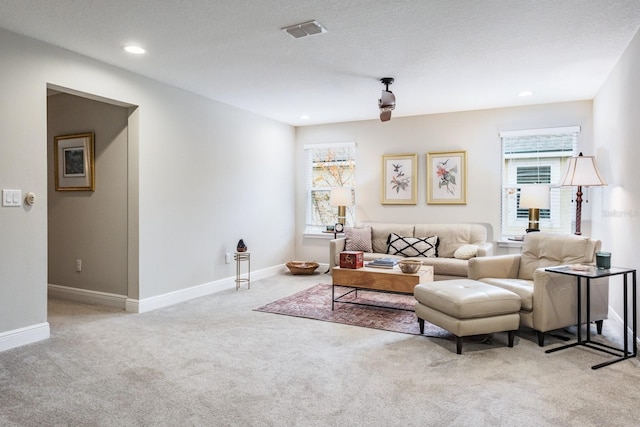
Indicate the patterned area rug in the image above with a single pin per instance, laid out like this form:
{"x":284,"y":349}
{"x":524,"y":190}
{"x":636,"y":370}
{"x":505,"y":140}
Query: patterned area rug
{"x":315,"y":303}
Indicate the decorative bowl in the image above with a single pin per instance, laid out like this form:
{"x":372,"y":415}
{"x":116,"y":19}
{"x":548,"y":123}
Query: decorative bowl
{"x":409,"y":266}
{"x":302,"y":267}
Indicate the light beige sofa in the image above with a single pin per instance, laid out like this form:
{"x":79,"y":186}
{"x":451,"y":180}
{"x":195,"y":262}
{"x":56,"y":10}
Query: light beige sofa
{"x":549,"y":300}
{"x":451,"y":237}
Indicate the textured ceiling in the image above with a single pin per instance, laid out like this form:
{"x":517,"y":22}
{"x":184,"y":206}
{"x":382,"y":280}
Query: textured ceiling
{"x":444,"y":55}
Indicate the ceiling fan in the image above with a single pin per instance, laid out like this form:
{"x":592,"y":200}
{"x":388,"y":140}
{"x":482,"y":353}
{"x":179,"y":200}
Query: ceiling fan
{"x":387,"y":101}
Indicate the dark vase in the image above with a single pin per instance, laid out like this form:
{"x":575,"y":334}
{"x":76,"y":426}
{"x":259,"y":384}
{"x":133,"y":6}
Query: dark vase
{"x":241,"y":246}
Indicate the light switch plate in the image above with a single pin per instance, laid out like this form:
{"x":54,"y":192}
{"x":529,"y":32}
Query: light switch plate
{"x":12,"y":198}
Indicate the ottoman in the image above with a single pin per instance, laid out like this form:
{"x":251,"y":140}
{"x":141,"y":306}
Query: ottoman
{"x":466,"y":307}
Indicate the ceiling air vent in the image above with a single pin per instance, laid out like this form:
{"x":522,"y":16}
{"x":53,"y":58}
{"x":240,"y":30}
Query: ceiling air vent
{"x":305,"y":29}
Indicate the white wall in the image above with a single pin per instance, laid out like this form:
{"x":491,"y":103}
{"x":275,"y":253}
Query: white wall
{"x":23,"y":165}
{"x":209,"y":174}
{"x":474,"y":131}
{"x":616,"y":209}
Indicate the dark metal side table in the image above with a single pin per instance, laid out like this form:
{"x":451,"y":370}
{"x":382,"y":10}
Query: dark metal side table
{"x":588,"y":275}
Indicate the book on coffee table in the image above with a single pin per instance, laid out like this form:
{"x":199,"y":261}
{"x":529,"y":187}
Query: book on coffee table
{"x":383,"y":263}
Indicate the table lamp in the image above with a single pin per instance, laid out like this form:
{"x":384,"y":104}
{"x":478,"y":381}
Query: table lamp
{"x":534,"y":198}
{"x":341,"y":197}
{"x":582,"y":171}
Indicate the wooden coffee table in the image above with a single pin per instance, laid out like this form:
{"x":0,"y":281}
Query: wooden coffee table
{"x":377,"y":279}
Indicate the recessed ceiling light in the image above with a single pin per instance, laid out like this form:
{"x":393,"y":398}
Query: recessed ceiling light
{"x":525,"y":93}
{"x":136,"y":50}
{"x":305,"y":117}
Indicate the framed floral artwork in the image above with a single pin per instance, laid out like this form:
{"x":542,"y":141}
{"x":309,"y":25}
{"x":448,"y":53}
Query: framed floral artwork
{"x":447,"y":178}
{"x":399,"y":185}
{"x":74,"y":162}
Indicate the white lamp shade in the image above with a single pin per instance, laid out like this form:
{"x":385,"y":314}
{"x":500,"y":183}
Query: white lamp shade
{"x":534,"y":196}
{"x":582,"y":171}
{"x":340,"y":196}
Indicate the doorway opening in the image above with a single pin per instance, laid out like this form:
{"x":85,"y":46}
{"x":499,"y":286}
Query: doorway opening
{"x":93,"y":235}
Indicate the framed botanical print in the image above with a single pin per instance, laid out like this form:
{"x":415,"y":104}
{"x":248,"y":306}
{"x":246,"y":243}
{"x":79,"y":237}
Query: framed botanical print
{"x":447,"y":178}
{"x":74,"y":162}
{"x":399,"y":186}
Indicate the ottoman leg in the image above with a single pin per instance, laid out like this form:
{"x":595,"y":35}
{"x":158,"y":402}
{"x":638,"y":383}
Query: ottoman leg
{"x":512,"y":335}
{"x":459,"y":345}
{"x":421,"y":324}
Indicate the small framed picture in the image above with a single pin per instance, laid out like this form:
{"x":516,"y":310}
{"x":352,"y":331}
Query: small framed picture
{"x":447,"y":178}
{"x":399,"y":186}
{"x":74,"y":162}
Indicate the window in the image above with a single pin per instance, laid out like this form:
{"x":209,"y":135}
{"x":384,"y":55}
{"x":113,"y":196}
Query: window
{"x":537,"y":156}
{"x":328,"y":166}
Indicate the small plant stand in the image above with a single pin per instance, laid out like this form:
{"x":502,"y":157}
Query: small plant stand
{"x":240,"y":257}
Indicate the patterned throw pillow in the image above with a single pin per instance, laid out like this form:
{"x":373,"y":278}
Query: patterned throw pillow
{"x":358,"y":239}
{"x":412,"y":246}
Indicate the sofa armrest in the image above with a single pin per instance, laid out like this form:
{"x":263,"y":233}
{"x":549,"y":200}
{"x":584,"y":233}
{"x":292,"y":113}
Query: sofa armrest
{"x":499,"y":267}
{"x":485,"y":249}
{"x":335,"y":247}
{"x":555,"y":300}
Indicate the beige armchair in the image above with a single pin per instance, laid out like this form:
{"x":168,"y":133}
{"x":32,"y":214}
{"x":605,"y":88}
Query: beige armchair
{"x":549,"y":300}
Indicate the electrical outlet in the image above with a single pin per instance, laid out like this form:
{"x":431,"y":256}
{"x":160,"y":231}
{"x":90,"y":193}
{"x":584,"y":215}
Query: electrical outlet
{"x":227,"y":258}
{"x":78,"y":265}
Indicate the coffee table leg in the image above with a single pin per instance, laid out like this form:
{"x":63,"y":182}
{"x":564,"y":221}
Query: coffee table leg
{"x":333,"y":290}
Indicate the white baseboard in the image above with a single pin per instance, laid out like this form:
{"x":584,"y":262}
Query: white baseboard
{"x":620,"y":322}
{"x":24,"y":336}
{"x":182,"y":295}
{"x":159,"y":301}
{"x":176,"y":297}
{"x":87,"y":297}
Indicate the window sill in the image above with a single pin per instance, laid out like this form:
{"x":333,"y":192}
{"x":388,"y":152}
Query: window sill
{"x":506,"y":243}
{"x":320,"y":235}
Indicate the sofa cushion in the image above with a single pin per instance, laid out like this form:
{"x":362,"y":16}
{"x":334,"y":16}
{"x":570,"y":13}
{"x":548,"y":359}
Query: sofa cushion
{"x":452,"y":236}
{"x":524,"y":288}
{"x":446,"y":266}
{"x":380,"y":233}
{"x":358,"y":239}
{"x":412,"y":246}
{"x":541,"y":250}
{"x":466,"y":252}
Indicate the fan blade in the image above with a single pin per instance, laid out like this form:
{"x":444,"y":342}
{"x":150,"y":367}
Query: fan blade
{"x":387,"y":99}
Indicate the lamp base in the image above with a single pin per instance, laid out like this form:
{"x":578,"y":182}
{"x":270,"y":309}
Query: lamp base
{"x":534,"y":220}
{"x":342,"y":214}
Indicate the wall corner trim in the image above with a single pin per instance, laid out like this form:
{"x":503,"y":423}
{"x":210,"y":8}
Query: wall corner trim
{"x":23,"y":336}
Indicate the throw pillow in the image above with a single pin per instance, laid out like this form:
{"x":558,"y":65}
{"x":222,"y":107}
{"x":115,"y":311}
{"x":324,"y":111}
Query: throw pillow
{"x":412,"y":246}
{"x":358,"y":239}
{"x":466,"y":252}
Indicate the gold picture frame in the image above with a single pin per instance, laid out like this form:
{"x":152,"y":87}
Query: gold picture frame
{"x":447,"y":178}
{"x":399,"y":183}
{"x":74,"y":162}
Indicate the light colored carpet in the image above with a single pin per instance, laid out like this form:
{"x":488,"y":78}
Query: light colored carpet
{"x":215,"y":361}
